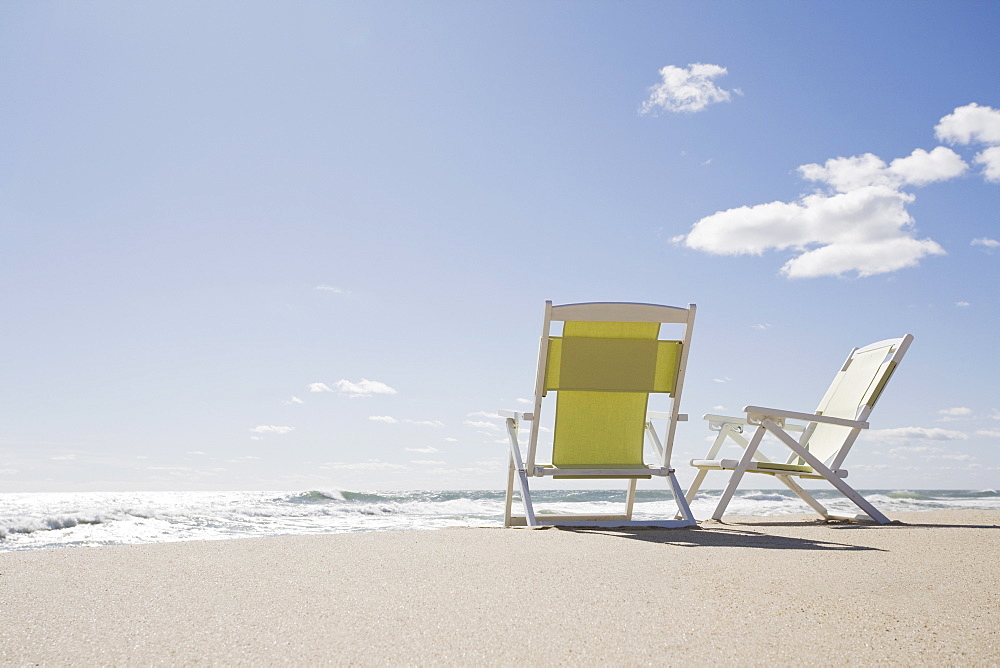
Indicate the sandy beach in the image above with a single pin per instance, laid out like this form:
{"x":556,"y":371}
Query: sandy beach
{"x":747,"y":591}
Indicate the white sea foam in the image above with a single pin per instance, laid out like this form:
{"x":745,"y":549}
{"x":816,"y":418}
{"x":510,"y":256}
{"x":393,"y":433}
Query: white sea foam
{"x":29,"y":521}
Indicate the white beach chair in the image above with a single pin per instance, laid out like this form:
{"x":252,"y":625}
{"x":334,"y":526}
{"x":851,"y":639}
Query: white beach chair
{"x":825,"y":437}
{"x":607,"y":361}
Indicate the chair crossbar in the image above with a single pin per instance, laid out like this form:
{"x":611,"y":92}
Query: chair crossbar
{"x":763,"y":467}
{"x":596,"y":521}
{"x":541,"y":471}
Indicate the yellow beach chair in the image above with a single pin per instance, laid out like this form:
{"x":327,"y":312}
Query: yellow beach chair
{"x":607,"y":361}
{"x":825,"y":437}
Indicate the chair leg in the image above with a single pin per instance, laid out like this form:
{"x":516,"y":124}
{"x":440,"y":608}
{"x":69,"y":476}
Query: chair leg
{"x":510,"y":492}
{"x":692,"y":490}
{"x":696,"y":485}
{"x":741,"y":468}
{"x":529,"y":509}
{"x":858,"y":500}
{"x":682,"y":504}
{"x":517,"y":469}
{"x":630,"y":499}
{"x":821,"y":468}
{"x":727,"y":431}
{"x":804,"y":495}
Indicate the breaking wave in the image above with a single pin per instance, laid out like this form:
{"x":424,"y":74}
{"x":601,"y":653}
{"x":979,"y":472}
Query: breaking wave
{"x":31,"y":521}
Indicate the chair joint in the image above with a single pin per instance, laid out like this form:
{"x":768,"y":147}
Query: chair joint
{"x":757,"y":419}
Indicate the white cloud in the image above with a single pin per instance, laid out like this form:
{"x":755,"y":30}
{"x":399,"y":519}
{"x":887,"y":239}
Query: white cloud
{"x":922,"y":167}
{"x":952,"y":414}
{"x":271,"y":429}
{"x":688,"y":89}
{"x":427,"y":462}
{"x":858,"y":223}
{"x":974,"y":124}
{"x":388,"y":419}
{"x":762,"y":326}
{"x":426,"y":423}
{"x":522,"y":400}
{"x":363,"y":388}
{"x":294,"y":400}
{"x":970,"y":124}
{"x":986,"y":242}
{"x":451,"y":440}
{"x":484,"y":414}
{"x":847,"y":174}
{"x":915,"y":434}
{"x":481,"y":424}
{"x":427,"y":451}
{"x":992,"y":433}
{"x":864,"y":227}
{"x":62,"y":458}
{"x":370,"y":465}
{"x":330,"y":288}
{"x":866,"y":230}
{"x":724,"y":379}
{"x":990,"y":160}
{"x":919,"y":168}
{"x":928,"y":453}
{"x":962,"y":304}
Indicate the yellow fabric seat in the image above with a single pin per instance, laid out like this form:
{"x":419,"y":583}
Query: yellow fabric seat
{"x":602,"y":367}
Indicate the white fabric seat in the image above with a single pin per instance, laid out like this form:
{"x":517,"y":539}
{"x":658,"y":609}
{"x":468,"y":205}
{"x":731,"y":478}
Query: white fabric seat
{"x":825,"y":437}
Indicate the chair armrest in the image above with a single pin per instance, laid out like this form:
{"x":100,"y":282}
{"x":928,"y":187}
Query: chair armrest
{"x":757,"y":413}
{"x":717,"y":422}
{"x":663,"y":415}
{"x":516,"y":415}
{"x":720,"y":422}
{"x":724,"y":419}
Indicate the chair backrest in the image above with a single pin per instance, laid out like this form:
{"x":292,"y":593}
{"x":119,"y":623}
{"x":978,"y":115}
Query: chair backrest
{"x":603,"y":367}
{"x":852,"y":395}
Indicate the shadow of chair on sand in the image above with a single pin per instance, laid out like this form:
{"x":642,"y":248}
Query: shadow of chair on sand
{"x":720,"y":535}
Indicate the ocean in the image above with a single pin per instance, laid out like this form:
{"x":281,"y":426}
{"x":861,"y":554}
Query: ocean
{"x":77,"y":519}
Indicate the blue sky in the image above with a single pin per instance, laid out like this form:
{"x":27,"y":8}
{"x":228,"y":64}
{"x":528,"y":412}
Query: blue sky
{"x":306,"y":245}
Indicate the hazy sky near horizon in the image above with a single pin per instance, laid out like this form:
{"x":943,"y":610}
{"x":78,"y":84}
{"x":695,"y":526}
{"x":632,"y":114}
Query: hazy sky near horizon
{"x":306,"y":245}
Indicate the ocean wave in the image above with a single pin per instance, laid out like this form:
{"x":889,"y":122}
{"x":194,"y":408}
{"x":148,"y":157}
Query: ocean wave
{"x":51,"y":523}
{"x":907,"y":494}
{"x":766,"y":496}
{"x":369,"y":497}
{"x":316,"y":496}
